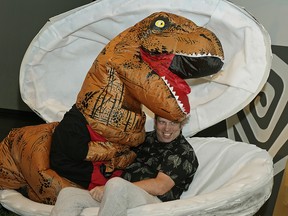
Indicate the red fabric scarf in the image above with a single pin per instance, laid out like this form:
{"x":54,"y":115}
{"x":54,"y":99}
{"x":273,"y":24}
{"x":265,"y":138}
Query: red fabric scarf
{"x":97,"y":178}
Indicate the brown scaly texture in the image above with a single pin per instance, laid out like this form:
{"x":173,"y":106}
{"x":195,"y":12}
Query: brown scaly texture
{"x":117,"y":85}
{"x":119,"y":81}
{"x":24,"y":162}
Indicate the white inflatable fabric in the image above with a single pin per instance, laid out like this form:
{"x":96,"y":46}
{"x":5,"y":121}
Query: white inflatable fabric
{"x":59,"y":57}
{"x":234,"y":178}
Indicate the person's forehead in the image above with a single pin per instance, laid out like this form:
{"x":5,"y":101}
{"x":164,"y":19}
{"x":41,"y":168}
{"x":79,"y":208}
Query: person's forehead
{"x":163,"y":119}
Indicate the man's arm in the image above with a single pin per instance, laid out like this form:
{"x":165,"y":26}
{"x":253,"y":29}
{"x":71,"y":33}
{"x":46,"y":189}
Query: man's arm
{"x":156,"y":186}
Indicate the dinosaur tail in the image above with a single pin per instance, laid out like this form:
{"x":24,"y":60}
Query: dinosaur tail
{"x":10,"y":176}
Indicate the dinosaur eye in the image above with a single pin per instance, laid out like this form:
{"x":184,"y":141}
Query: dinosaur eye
{"x":160,"y":23}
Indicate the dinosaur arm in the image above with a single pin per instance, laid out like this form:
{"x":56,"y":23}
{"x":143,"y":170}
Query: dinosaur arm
{"x":101,"y":151}
{"x":121,"y":161}
{"x":115,"y":156}
{"x":106,"y":151}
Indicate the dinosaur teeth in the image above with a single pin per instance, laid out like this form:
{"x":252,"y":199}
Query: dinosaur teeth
{"x":171,"y":88}
{"x":182,"y":107}
{"x":197,"y":55}
{"x":174,"y":93}
{"x":164,"y":79}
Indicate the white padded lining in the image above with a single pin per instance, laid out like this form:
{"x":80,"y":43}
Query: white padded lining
{"x":59,"y":57}
{"x":233,"y":178}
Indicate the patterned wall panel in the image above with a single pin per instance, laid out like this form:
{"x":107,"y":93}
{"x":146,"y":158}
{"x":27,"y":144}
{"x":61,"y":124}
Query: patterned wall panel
{"x":264,"y":121}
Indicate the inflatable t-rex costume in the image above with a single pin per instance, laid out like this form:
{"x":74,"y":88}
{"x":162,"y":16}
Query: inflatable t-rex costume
{"x":144,"y":65}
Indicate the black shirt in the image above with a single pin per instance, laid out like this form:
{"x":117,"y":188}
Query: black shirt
{"x":176,"y":159}
{"x":69,"y":148}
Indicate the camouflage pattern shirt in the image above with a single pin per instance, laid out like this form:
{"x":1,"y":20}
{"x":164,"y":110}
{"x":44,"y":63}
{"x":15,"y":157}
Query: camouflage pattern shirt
{"x":176,"y":159}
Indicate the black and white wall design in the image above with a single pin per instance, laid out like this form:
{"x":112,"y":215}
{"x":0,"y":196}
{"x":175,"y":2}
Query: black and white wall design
{"x":264,"y":121}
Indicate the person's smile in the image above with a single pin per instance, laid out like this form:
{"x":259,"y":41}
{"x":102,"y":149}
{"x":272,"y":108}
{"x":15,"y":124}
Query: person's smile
{"x":167,"y":130}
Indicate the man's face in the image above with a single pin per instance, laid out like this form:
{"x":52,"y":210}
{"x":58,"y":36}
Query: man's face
{"x":167,"y":130}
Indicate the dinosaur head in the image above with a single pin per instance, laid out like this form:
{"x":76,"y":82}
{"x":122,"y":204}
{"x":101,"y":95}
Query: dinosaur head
{"x":194,"y":51}
{"x":174,"y":49}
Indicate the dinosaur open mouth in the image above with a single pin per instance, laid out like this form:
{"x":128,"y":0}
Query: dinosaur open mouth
{"x":195,"y":66}
{"x":160,"y":63}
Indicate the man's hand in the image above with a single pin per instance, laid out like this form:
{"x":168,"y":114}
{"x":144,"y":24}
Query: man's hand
{"x":97,"y":193}
{"x":156,"y":186}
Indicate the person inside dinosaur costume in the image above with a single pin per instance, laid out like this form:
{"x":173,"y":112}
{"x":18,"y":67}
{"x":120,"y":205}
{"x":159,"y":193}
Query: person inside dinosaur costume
{"x":147,"y":64}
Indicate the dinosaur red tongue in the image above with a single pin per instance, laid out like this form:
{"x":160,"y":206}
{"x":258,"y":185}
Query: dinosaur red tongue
{"x":160,"y":64}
